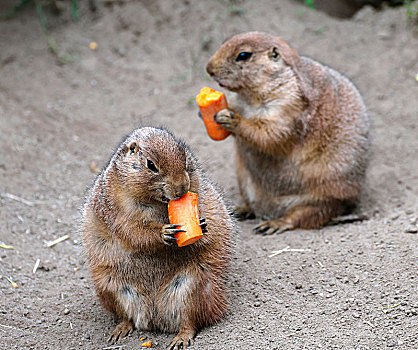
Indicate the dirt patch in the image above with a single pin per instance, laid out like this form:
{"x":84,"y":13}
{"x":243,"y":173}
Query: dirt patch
{"x":355,"y":286}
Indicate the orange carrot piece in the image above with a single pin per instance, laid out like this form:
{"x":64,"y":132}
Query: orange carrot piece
{"x":147,"y":344}
{"x":185,"y":212}
{"x":211,"y":102}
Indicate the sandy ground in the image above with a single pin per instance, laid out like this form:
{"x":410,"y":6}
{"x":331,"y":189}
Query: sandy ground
{"x":355,"y":286}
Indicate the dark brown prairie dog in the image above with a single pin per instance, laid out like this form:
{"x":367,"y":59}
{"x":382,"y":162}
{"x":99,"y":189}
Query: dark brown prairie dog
{"x":301,"y":132}
{"x":140,"y":274}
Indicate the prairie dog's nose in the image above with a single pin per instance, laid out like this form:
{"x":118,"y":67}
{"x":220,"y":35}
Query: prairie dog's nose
{"x":181,"y":191}
{"x":210,"y":68}
{"x":178,"y":187}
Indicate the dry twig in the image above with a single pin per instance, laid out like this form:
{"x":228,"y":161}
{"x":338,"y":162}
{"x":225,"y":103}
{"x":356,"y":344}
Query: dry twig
{"x":56,"y":241}
{"x":18,"y":199}
{"x":38,"y":261}
{"x":287,"y":249}
{"x":5,"y":246}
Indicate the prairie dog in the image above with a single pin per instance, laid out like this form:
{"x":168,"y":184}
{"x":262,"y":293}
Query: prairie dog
{"x":139,"y":272}
{"x":301,"y":133}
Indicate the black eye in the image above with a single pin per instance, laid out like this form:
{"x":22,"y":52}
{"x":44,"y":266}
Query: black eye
{"x":151,"y":166}
{"x":243,"y":56}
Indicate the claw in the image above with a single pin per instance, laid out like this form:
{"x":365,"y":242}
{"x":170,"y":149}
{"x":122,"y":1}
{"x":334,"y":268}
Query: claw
{"x":169,"y":238}
{"x":172,"y":226}
{"x":203,"y":224}
{"x":269,"y":232}
{"x":261,"y":229}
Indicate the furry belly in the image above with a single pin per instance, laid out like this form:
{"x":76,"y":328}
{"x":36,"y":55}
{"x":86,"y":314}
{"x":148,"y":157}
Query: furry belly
{"x":270,"y":185}
{"x":162,"y":310}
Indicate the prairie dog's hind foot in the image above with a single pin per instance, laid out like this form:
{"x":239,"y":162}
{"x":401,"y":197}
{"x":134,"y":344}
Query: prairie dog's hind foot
{"x":311,"y":216}
{"x":243,"y":213}
{"x":270,"y":227}
{"x":182,"y":340}
{"x":122,"y":330}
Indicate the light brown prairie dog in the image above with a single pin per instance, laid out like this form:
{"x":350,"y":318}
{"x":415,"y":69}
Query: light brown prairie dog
{"x":301,"y":132}
{"x":140,"y":274}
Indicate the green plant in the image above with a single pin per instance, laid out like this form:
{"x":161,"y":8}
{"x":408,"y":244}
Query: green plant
{"x":310,"y":4}
{"x":411,"y":7}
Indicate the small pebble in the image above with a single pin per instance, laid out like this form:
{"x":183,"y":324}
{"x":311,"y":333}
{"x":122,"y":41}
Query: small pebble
{"x":257,"y":304}
{"x":384,"y":36}
{"x":87,"y":336}
{"x":411,"y":229}
{"x":66,"y":311}
{"x":392,"y":343}
{"x":395,"y":216}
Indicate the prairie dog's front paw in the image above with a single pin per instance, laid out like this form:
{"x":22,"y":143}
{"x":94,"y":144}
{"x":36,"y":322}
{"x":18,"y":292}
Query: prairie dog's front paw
{"x":227,"y":119}
{"x":167,"y":233}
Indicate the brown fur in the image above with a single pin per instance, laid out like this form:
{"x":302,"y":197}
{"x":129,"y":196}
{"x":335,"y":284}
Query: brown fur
{"x":146,"y":283}
{"x":301,"y":132}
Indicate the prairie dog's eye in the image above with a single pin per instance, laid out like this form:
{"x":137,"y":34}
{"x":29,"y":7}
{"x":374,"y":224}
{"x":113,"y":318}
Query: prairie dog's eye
{"x":275,"y":54}
{"x":151,"y":166}
{"x":243,"y":56}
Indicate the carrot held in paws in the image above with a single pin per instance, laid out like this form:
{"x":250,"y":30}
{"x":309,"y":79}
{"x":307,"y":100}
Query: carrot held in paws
{"x":185,"y":212}
{"x":211,"y":102}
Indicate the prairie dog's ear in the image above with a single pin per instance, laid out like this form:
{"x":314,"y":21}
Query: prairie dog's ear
{"x":131,"y":148}
{"x":304,"y":76}
{"x":274,"y":54}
